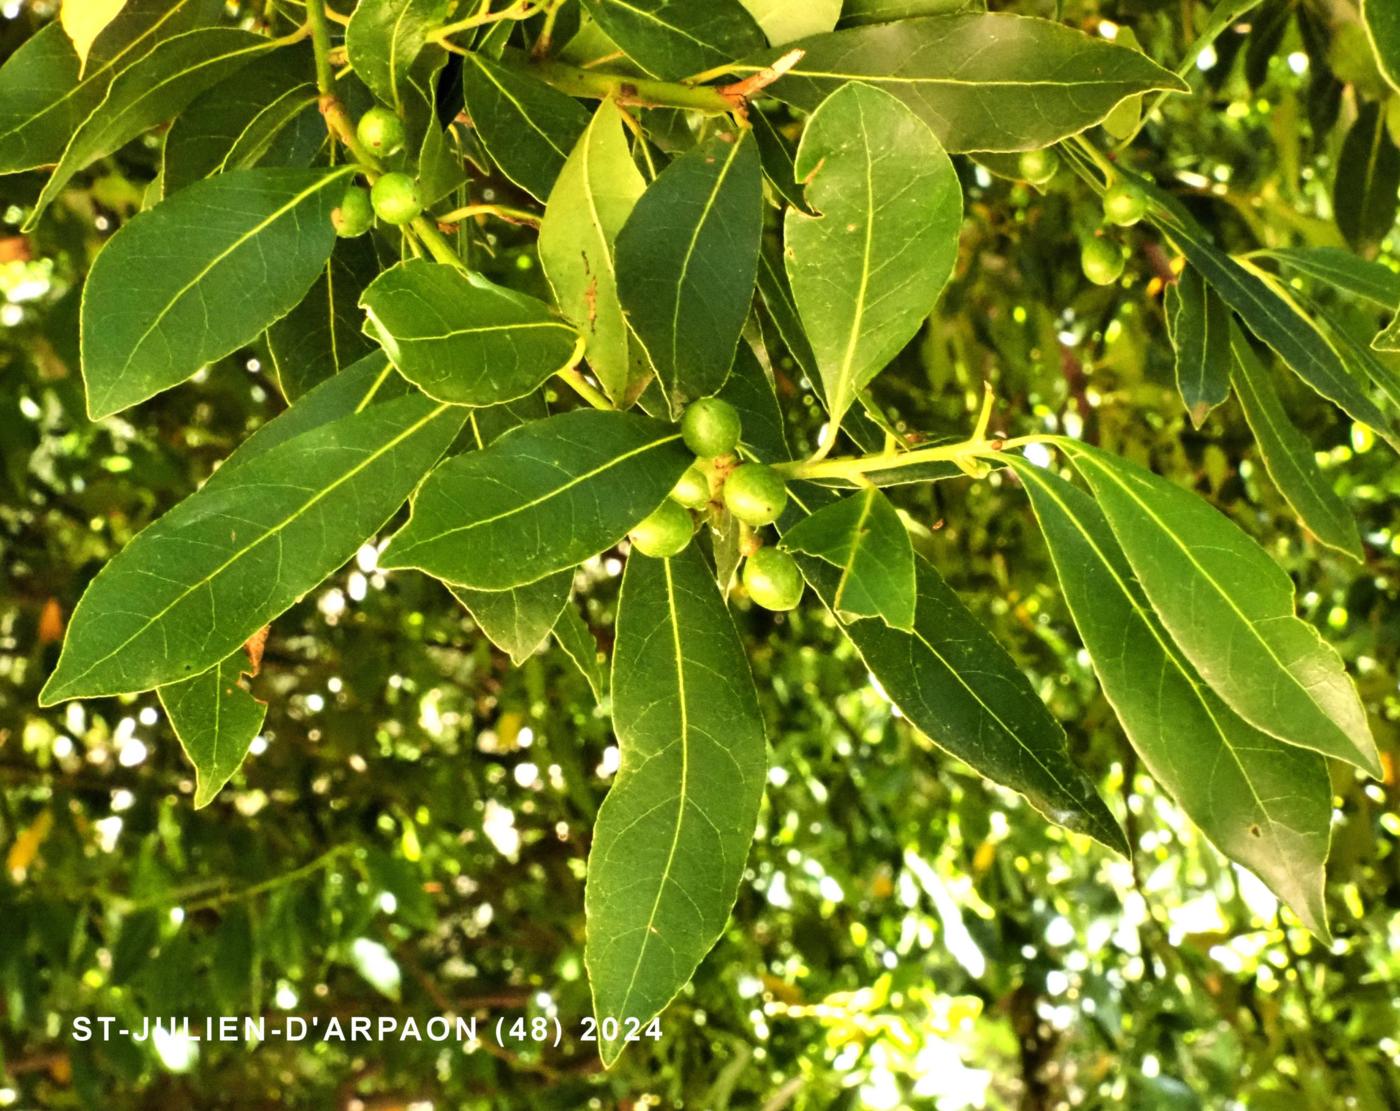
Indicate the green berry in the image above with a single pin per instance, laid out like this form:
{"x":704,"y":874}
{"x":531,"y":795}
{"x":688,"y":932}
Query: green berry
{"x":1124,"y":204}
{"x":772,"y":579}
{"x":354,"y":214}
{"x":396,"y":198}
{"x":710,"y":427}
{"x":755,"y":494}
{"x":380,"y":130}
{"x":1102,"y":260}
{"x":665,"y":533}
{"x":1038,"y":166}
{"x":693,"y":489}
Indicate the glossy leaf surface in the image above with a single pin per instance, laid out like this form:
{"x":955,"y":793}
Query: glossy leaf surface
{"x":1288,"y":455}
{"x":994,"y":82}
{"x":219,"y":566}
{"x":199,"y":275}
{"x":957,"y":685}
{"x":864,"y":539}
{"x":519,"y":620}
{"x":672,"y":39}
{"x":687,"y":260}
{"x":543,"y":497}
{"x":595,"y":193}
{"x":1230,"y":609}
{"x":216,"y":720}
{"x":867,"y":269}
{"x":460,"y":338}
{"x":1199,"y":322}
{"x":43,"y":96}
{"x":150,"y":91}
{"x":1265,"y":804}
{"x":528,"y":127}
{"x":672,"y":836}
{"x":384,"y":39}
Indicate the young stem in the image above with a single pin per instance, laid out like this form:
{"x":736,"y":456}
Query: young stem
{"x":321,"y":44}
{"x":853,"y":467}
{"x":626,"y":89}
{"x":511,"y":215}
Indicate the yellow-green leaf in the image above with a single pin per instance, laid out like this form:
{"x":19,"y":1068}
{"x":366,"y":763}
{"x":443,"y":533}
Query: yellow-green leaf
{"x":84,"y":20}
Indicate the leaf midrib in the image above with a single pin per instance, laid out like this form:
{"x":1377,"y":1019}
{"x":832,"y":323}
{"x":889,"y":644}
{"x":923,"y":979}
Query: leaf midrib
{"x":301,"y":511}
{"x":535,"y":503}
{"x":1168,"y":650}
{"x":242,"y":240}
{"x":1216,"y":587}
{"x":683,"y":790}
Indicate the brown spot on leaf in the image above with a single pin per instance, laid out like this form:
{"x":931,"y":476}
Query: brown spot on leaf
{"x":254,"y":647}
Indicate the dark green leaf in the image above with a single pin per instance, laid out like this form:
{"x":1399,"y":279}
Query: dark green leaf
{"x":1288,"y":455}
{"x":590,"y":203}
{"x":150,"y":91}
{"x":519,"y":620}
{"x":854,"y":13}
{"x":244,"y":120}
{"x":1229,"y":607}
{"x":1367,"y":187}
{"x":324,"y":333}
{"x":1382,"y":19}
{"x":461,"y":339}
{"x":956,"y":685}
{"x":573,"y":635}
{"x":215,"y":720}
{"x":527,"y":127}
{"x":1199,"y":323}
{"x":981,"y":81}
{"x":867,"y":269}
{"x":672,"y":836}
{"x":672,"y":39}
{"x":1373,"y":281}
{"x":44,"y":98}
{"x":257,"y":536}
{"x":198,"y":276}
{"x":545,"y":496}
{"x":384,"y":39}
{"x":776,"y":157}
{"x":1269,"y":316}
{"x":1265,"y":804}
{"x":864,"y":539}
{"x":686,"y":263}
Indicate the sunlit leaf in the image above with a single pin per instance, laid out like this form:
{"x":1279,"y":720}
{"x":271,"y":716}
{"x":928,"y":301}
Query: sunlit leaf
{"x":868,"y":267}
{"x":672,"y":836}
{"x":1230,"y":609}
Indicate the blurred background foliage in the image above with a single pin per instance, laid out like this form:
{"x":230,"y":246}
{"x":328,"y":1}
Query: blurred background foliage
{"x":409,"y":835}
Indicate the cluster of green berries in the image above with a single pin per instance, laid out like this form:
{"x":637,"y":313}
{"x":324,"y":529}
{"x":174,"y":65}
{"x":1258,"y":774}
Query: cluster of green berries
{"x":394,"y":198}
{"x":1124,"y":204}
{"x":755,"y":494}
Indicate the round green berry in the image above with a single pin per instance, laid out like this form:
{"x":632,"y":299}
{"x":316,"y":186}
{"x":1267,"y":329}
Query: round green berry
{"x":772,"y":579}
{"x":1124,"y":204}
{"x":396,"y":198}
{"x":1102,"y":260}
{"x":1038,"y":166}
{"x":710,"y":427}
{"x":354,"y":214}
{"x":665,"y":533}
{"x":755,"y":494}
{"x":380,"y":130}
{"x":693,"y":489}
